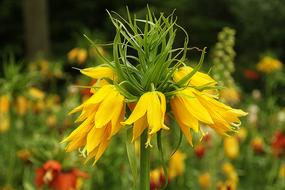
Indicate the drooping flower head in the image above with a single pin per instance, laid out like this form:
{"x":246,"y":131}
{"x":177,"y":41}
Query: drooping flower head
{"x":148,"y":73}
{"x":100,"y":115}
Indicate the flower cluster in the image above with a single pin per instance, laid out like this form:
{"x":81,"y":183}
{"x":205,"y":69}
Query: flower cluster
{"x":223,"y":56}
{"x":141,"y":88}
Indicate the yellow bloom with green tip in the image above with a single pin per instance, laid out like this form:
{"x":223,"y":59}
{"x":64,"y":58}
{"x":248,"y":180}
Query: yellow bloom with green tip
{"x":148,"y":113}
{"x":145,"y":72}
{"x":191,"y":107}
{"x":99,"y":72}
{"x":100,"y":115}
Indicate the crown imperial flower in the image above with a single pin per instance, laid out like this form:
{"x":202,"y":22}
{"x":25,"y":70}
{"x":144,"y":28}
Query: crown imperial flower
{"x":154,"y":80}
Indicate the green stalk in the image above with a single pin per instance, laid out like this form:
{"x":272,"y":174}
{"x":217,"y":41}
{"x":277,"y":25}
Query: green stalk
{"x":144,"y":163}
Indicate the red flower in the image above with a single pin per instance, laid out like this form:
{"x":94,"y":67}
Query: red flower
{"x":47,"y":172}
{"x":200,"y":150}
{"x":67,"y":180}
{"x":52,"y":176}
{"x":250,"y":74}
{"x":278,"y":144}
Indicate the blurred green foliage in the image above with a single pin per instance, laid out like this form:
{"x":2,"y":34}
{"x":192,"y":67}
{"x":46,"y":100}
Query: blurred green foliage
{"x":259,"y":23}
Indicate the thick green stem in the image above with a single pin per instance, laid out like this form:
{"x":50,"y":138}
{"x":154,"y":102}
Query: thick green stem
{"x":144,"y":163}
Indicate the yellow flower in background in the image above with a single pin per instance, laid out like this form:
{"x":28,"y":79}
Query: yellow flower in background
{"x":36,"y":93}
{"x":4,"y":104}
{"x":230,"y":172}
{"x":268,"y":65}
{"x":4,"y":113}
{"x":4,"y":122}
{"x":177,"y":164}
{"x":149,"y":113}
{"x":227,"y":185}
{"x":282,"y":171}
{"x":78,"y":55}
{"x":231,"y":147}
{"x":232,"y":179}
{"x":51,"y":121}
{"x":82,"y":55}
{"x":204,"y":180}
{"x":230,"y":95}
{"x":101,"y":116}
{"x":155,"y":175}
{"x":257,"y":144}
{"x":22,"y":104}
{"x":44,"y":67}
{"x":24,"y":154}
{"x":38,"y":106}
{"x":72,"y":54}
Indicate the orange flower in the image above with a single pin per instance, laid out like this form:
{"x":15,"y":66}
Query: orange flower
{"x":51,"y":175}
{"x":278,"y":144}
{"x":257,"y":145}
{"x":200,"y":150}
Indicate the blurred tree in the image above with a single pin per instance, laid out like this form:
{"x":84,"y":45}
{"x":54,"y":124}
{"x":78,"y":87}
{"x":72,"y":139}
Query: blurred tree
{"x":35,"y":13}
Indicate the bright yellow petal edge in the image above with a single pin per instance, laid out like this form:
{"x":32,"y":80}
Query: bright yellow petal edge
{"x":101,"y":116}
{"x":198,"y":79}
{"x":149,"y":112}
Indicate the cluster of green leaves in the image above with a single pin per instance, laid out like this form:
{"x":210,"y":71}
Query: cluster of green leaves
{"x":15,"y":78}
{"x":144,"y":58}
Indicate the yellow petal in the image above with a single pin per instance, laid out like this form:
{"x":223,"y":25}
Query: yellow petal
{"x":75,"y":144}
{"x":117,"y":110}
{"x":100,"y":95}
{"x":163,"y":109}
{"x":94,"y":138}
{"x":198,"y":79}
{"x":98,"y":72}
{"x":139,"y":111}
{"x":139,"y":126}
{"x":154,"y":115}
{"x":182,"y":115}
{"x":194,"y":106}
{"x":101,"y":150}
{"x":116,"y":125}
{"x":82,"y":130}
{"x":87,"y":112}
{"x":77,"y":109}
{"x":186,"y":132}
{"x":91,"y":155}
{"x":103,"y":145}
{"x":104,"y":113}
